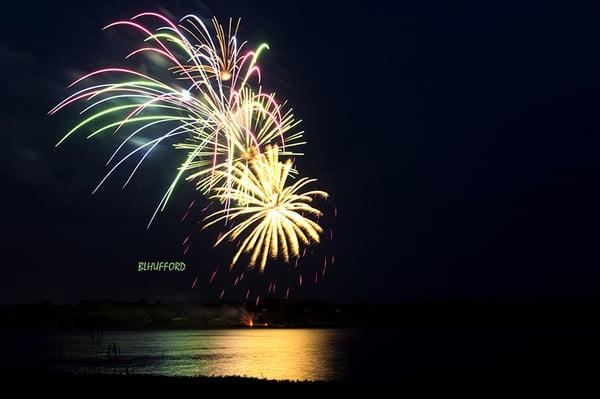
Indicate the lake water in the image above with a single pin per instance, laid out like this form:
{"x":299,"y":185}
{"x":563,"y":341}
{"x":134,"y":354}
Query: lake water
{"x":399,"y":354}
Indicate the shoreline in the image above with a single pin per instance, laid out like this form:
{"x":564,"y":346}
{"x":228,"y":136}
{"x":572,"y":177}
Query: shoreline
{"x":133,"y":378}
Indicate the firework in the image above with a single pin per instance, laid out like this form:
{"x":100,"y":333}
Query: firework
{"x":270,"y":217}
{"x":204,"y":102}
{"x":201,"y":92}
{"x":225,"y":54}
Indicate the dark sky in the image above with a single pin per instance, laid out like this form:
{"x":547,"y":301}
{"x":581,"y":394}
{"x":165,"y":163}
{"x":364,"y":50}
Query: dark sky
{"x":460,"y":145}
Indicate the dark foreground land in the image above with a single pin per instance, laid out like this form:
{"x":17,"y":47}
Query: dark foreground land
{"x":105,"y":382}
{"x":290,"y":313}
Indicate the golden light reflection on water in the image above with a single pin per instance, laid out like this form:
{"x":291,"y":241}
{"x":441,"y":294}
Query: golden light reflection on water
{"x":284,"y":354}
{"x":271,"y":353}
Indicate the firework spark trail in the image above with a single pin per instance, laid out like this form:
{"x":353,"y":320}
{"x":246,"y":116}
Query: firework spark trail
{"x":185,"y":216}
{"x":212,"y":277}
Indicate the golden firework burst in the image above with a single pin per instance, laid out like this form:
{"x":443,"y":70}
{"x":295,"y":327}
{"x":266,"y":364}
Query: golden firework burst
{"x":269,"y":217}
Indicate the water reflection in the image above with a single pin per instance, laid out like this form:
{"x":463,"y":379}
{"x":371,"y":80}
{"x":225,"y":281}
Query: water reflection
{"x":274,"y":354}
{"x":416,"y":354}
{"x":284,"y":354}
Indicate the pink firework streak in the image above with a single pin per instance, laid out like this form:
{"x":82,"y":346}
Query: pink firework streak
{"x":212,"y":277}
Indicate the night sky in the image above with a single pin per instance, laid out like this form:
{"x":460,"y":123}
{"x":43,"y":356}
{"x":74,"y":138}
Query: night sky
{"x":460,"y":145}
